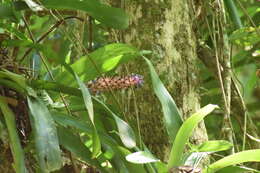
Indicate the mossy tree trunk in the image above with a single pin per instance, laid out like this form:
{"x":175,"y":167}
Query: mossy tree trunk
{"x":165,"y":28}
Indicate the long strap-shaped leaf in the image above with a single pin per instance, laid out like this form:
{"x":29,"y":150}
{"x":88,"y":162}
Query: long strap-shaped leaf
{"x":17,"y":151}
{"x":89,"y":106}
{"x":172,"y":117}
{"x":185,"y":132}
{"x":237,"y":158}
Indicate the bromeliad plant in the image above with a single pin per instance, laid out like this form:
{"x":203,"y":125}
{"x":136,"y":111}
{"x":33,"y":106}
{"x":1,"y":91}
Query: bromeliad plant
{"x":51,"y":130}
{"x":179,"y":133}
{"x":51,"y":119}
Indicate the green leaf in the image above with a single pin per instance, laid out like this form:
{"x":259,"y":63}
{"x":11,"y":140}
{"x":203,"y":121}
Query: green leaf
{"x":118,"y":161}
{"x":214,"y":146}
{"x":73,"y":144}
{"x":141,"y":157}
{"x":237,"y":158}
{"x":81,"y":126}
{"x":110,"y":16}
{"x":185,"y":132}
{"x":237,"y":169}
{"x":22,"y":43}
{"x":11,"y":29}
{"x":245,"y":36}
{"x":12,"y":85}
{"x":161,"y":167}
{"x":16,"y":148}
{"x":19,"y":79}
{"x":131,"y":166}
{"x":101,"y":60}
{"x":172,"y":117}
{"x":46,"y":139}
{"x":193,"y":158}
{"x":125,"y":132}
{"x":7,"y":12}
{"x":89,"y":106}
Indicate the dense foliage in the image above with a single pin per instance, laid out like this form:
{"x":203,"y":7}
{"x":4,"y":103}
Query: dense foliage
{"x":59,"y":110}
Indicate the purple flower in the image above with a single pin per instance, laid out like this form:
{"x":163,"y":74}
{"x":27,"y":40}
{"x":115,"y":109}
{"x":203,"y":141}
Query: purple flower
{"x":114,"y":83}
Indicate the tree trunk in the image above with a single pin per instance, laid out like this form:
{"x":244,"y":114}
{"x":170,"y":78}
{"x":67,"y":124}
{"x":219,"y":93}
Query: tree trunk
{"x":165,"y":28}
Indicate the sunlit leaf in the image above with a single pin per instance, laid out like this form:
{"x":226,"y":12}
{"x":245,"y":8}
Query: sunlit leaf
{"x":214,"y":146}
{"x":141,"y":157}
{"x":33,"y":6}
{"x":92,"y":66}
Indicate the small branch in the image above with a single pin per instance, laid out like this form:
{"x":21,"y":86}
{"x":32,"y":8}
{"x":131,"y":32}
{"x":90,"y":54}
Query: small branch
{"x":58,"y":23}
{"x":90,"y":33}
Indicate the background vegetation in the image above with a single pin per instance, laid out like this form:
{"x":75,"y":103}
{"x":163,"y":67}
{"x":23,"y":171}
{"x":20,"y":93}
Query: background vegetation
{"x":69,"y":92}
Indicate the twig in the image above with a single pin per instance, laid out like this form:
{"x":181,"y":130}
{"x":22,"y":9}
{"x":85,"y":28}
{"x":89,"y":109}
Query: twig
{"x":58,"y":23}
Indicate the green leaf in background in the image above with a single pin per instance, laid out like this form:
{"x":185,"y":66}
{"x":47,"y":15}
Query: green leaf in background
{"x":185,"y":132}
{"x":22,"y":43}
{"x":245,"y":36}
{"x":214,"y":146}
{"x":89,"y":106}
{"x":172,"y":117}
{"x":7,"y":12}
{"x":104,"y":59}
{"x":141,"y":157}
{"x":237,"y":158}
{"x":125,"y":132}
{"x":110,"y":16}
{"x":46,"y":139}
{"x":11,"y":29}
{"x":16,"y":148}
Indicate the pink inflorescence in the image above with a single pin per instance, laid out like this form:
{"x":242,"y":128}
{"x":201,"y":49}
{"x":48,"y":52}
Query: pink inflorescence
{"x":114,"y":83}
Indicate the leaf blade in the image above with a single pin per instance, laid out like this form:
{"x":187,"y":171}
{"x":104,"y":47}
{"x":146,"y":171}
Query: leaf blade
{"x":141,"y":157}
{"x":89,"y":106}
{"x":111,"y":17}
{"x":172,"y":116}
{"x":240,"y":157}
{"x":17,"y":151}
{"x":184,"y":133}
{"x":46,"y":139}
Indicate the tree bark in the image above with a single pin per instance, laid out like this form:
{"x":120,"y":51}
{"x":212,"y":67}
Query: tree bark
{"x":165,"y":28}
